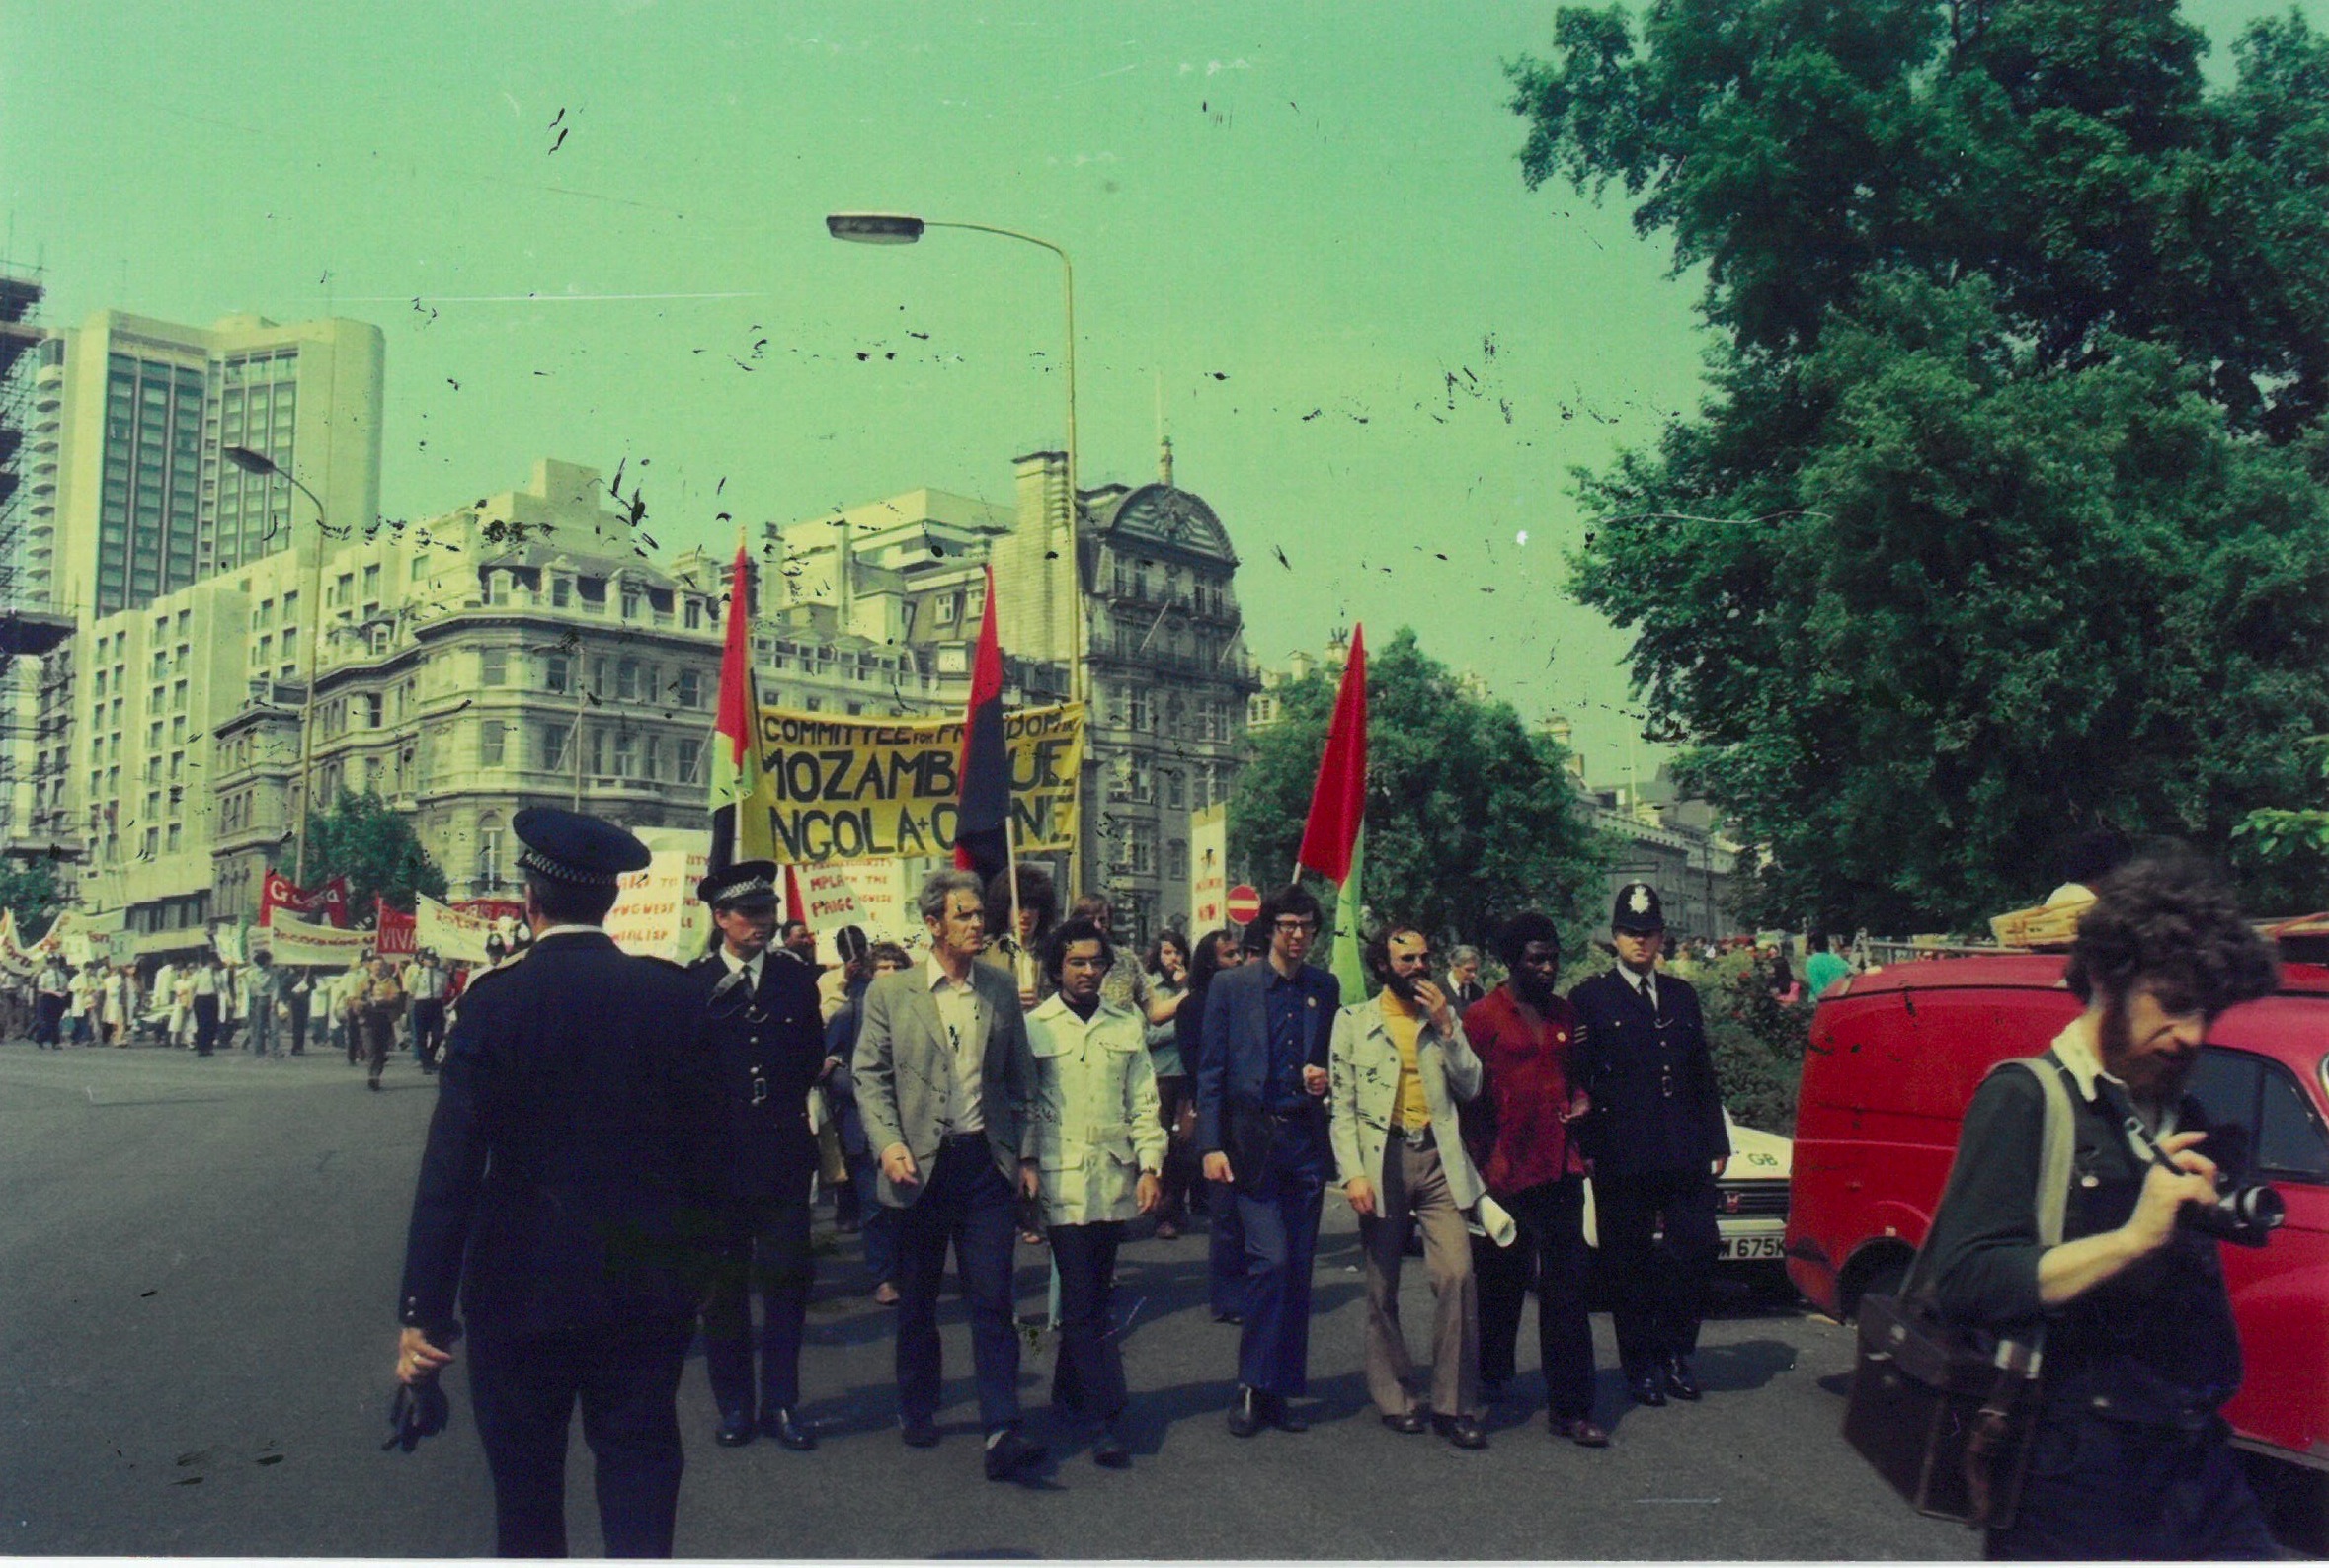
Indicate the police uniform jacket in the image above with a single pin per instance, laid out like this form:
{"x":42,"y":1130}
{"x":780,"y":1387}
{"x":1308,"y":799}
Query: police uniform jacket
{"x":1656,"y":1103}
{"x":1093,"y":1127}
{"x":564,"y":1179}
{"x":770,"y":1047}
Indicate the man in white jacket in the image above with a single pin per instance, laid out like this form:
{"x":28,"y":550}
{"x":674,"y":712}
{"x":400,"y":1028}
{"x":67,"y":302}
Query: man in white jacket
{"x":1098,"y":1144}
{"x":1399,"y":1066}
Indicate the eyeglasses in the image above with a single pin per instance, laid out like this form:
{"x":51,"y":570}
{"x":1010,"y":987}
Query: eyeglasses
{"x":1296,"y":927}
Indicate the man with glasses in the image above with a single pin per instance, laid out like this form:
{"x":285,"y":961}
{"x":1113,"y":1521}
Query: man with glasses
{"x":1400,"y":1065}
{"x":1261,"y":1127}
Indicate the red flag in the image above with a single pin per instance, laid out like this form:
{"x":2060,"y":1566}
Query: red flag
{"x":983,"y":814}
{"x":1338,"y":805}
{"x":739,"y":817}
{"x":395,"y":934}
{"x":796,"y":907}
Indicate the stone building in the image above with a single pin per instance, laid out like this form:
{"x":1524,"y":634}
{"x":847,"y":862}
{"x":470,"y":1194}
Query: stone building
{"x":460,"y":658}
{"x":1142,"y":595}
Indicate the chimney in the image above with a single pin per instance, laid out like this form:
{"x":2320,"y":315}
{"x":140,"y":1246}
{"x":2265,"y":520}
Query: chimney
{"x":1043,"y":491}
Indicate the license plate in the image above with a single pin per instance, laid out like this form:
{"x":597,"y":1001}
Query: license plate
{"x":1748,"y":1247}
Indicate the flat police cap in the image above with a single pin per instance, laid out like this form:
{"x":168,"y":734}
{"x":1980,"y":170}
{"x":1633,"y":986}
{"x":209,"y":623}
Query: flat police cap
{"x":1637,"y":910}
{"x":567,"y":846}
{"x":742,"y":883}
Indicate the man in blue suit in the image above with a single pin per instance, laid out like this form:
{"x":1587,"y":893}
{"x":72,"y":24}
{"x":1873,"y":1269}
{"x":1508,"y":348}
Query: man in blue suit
{"x":563,"y":1195}
{"x":1262,"y":1126}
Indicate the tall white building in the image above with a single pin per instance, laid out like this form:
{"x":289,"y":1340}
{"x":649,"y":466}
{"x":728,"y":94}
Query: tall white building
{"x":520,"y":650}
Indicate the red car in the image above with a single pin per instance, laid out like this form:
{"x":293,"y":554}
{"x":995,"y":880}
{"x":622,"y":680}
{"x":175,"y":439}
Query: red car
{"x":1894,"y":1058}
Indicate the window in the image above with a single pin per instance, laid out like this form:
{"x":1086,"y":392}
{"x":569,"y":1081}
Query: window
{"x":372,"y":706}
{"x":694,"y":614}
{"x":1176,"y":859}
{"x":553,"y":747}
{"x":489,"y":744}
{"x":2262,"y":1128}
{"x":690,"y":689}
{"x":1142,"y":712}
{"x":561,"y":590}
{"x":488,"y":849}
{"x":626,"y":677}
{"x":686,"y":760}
{"x":627,"y":754}
{"x":949,"y":608}
{"x":558,"y":674}
{"x":1176,"y":795}
{"x":493,"y":666}
{"x":631,"y":597}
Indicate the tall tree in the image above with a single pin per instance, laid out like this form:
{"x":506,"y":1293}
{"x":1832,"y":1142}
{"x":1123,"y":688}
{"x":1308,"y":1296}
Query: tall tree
{"x":2003,"y":515}
{"x":374,"y":846}
{"x":27,"y":889}
{"x":1471,"y":816}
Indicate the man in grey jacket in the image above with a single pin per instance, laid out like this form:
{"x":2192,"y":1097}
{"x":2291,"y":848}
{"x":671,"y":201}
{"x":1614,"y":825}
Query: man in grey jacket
{"x":1399,"y":1066}
{"x":943,"y":1077}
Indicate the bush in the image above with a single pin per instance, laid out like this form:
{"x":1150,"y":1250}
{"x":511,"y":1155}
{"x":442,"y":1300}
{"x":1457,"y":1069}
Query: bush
{"x":1757,"y":1044}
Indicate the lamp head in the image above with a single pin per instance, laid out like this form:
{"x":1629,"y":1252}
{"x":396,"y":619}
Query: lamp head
{"x":251,"y":462}
{"x":874,"y":228}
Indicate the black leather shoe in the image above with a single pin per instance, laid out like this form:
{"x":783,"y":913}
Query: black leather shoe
{"x":1010,"y":1456}
{"x":780,"y":1423}
{"x":1231,"y":1318}
{"x":1110,"y":1451}
{"x":1462,"y":1431}
{"x":735,"y":1428}
{"x":1581,"y":1431}
{"x":1679,"y":1382}
{"x":1410,"y":1422}
{"x":1648,"y":1389}
{"x":1246,"y":1417}
{"x":922,"y":1434}
{"x":1281,"y":1415}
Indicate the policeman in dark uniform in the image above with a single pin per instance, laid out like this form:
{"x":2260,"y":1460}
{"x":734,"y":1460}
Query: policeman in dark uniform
{"x":759,"y":1012}
{"x":563,"y":1195}
{"x":1657,"y":1141}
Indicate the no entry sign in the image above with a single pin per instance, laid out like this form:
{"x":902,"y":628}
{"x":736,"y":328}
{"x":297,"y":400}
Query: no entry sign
{"x":1244,"y":902}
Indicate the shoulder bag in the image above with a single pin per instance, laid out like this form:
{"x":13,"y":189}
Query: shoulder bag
{"x":1944,"y":1412}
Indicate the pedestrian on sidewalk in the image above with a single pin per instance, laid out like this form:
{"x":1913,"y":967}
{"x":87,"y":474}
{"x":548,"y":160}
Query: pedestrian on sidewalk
{"x":1168,"y":966}
{"x":202,"y":990}
{"x":54,"y":996}
{"x":379,"y":1003}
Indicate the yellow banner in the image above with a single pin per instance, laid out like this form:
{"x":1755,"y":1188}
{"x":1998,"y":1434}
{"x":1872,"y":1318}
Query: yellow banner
{"x":882,"y":789}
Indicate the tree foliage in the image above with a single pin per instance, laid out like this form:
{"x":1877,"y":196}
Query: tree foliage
{"x":1470,"y":817}
{"x":28,"y":890}
{"x":374,"y":846}
{"x":2003,"y":516}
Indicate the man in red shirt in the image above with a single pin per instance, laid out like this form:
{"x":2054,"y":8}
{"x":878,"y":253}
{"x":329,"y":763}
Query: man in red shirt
{"x":1518,"y":1131}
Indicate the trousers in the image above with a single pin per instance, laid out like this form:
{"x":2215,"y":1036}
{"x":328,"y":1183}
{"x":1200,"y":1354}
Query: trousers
{"x":427,"y":1029}
{"x":1281,"y":1233}
{"x":1658,"y":1289}
{"x":205,"y":1024}
{"x":1549,"y":1255}
{"x":877,"y":1223}
{"x":764,"y":1252}
{"x":1089,"y":1378}
{"x":1414,"y":1191}
{"x":1224,"y":1250}
{"x":964,"y":1201}
{"x":626,"y":1376}
{"x":2112,"y":1490}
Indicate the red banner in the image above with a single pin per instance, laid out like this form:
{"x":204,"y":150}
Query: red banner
{"x":510,"y":910}
{"x":398,"y":934}
{"x":327,"y":904}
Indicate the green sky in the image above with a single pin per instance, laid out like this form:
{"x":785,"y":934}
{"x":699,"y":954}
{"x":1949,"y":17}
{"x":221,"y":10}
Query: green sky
{"x":1305,"y":220}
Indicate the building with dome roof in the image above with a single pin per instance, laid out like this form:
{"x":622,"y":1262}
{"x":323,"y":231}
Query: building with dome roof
{"x":1142,"y":595}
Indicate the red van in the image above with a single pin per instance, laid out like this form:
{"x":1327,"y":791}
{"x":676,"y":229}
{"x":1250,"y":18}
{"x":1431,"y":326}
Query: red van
{"x":1893,"y":1060}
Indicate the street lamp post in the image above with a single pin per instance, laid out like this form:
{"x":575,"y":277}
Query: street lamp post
{"x":898,"y":228}
{"x":252,"y":462}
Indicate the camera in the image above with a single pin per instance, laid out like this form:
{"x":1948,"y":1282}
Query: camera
{"x":2245,"y":1213}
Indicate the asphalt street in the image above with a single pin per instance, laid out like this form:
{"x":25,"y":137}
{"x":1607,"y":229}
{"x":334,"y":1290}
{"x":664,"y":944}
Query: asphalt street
{"x":198,"y":1265}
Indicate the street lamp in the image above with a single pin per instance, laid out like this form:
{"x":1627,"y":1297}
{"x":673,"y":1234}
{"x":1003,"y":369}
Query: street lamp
{"x":899,"y":228}
{"x":259,"y":463}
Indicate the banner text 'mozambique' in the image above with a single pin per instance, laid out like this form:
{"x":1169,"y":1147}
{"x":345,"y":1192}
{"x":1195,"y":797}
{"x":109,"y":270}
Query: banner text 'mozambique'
{"x":870,"y":789}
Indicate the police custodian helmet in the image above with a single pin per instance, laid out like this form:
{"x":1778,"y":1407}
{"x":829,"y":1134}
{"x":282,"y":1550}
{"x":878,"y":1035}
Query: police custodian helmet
{"x":1638,"y":911}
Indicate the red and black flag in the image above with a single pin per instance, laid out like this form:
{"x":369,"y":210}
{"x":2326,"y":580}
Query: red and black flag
{"x":983,"y":822}
{"x":739,"y":808}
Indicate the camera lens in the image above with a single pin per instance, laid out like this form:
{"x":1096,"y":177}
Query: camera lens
{"x":2256,"y":1208}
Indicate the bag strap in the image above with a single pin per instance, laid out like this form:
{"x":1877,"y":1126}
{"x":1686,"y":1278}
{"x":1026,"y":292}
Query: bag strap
{"x":2051,"y":1202}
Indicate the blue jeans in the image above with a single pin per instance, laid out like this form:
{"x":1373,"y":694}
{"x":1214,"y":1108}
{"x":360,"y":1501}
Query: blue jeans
{"x":966,"y":1202}
{"x":1224,"y":1250}
{"x":1281,"y":1241}
{"x":1089,"y":1378}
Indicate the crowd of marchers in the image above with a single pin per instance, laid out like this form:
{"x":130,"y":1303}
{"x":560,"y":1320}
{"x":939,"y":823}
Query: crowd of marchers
{"x":623,"y":1156}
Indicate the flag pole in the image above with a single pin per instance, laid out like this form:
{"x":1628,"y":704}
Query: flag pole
{"x":1010,"y":860}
